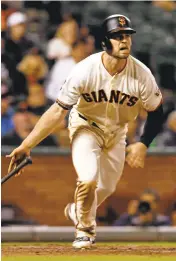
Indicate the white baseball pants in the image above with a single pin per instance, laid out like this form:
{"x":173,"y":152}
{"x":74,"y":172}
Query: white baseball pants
{"x":93,"y":163}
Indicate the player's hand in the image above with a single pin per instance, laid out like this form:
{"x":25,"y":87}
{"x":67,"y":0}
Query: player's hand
{"x":17,"y":156}
{"x":136,"y":154}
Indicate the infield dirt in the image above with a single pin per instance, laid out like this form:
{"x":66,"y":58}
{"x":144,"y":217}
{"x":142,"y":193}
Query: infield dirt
{"x":56,"y":249}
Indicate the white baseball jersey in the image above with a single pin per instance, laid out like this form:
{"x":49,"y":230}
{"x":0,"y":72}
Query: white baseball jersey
{"x":109,"y":101}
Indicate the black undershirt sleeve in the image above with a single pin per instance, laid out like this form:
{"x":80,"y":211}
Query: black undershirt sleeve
{"x":152,"y":126}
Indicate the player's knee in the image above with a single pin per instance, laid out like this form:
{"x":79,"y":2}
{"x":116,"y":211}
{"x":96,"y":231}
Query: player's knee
{"x":89,"y":176}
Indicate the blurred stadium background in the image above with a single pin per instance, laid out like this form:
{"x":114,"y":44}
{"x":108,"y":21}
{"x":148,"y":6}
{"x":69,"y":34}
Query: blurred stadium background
{"x":40,"y":42}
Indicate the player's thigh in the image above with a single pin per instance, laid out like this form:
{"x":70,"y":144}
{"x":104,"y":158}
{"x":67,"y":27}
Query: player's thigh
{"x":86,"y":155}
{"x":111,"y":166}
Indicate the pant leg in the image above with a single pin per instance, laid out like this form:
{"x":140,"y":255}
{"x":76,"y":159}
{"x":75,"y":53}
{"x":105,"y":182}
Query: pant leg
{"x":86,"y":160}
{"x":111,"y":168}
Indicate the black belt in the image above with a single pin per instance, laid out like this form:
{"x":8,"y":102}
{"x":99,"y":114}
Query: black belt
{"x":84,"y":118}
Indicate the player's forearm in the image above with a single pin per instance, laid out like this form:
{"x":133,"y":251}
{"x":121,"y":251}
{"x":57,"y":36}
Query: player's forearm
{"x":46,"y":124}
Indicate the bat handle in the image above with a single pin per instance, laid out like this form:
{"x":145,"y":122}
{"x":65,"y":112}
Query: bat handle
{"x":25,"y":162}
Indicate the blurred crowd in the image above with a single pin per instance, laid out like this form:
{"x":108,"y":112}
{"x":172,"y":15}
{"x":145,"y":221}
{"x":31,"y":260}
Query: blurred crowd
{"x":142,"y":211}
{"x":42,"y":40}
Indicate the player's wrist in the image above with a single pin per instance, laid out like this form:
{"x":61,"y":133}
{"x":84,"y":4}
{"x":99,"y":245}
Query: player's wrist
{"x":26,"y":146}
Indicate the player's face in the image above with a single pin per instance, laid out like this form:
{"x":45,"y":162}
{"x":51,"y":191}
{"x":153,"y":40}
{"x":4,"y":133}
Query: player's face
{"x":121,"y":45}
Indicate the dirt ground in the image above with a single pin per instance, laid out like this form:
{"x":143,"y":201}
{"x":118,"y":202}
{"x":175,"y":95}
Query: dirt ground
{"x":58,"y":250}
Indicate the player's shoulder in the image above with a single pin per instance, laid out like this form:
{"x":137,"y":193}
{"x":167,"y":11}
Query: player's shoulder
{"x":90,"y":60}
{"x":85,"y":68}
{"x":140,"y":67}
{"x":86,"y":65}
{"x":141,"y":72}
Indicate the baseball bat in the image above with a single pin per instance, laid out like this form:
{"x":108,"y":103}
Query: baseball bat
{"x":24,"y":163}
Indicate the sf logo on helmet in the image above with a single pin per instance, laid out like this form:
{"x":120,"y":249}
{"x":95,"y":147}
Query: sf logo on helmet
{"x":122,"y":21}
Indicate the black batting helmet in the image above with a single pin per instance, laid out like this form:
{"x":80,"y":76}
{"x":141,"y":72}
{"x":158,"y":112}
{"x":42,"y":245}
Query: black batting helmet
{"x":115,"y":23}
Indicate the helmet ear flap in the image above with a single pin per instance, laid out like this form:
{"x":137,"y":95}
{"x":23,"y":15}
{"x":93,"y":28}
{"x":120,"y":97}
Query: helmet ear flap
{"x":106,"y":44}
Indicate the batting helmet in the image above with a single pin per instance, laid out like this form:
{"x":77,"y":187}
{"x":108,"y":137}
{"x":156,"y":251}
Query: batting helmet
{"x":115,"y":23}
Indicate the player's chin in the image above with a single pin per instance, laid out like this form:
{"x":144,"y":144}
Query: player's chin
{"x":123,"y":55}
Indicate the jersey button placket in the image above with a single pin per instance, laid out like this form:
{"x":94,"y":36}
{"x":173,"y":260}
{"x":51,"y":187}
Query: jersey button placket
{"x":110,"y":106}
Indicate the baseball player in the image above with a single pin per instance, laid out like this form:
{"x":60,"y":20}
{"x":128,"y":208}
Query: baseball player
{"x":104,"y":92}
